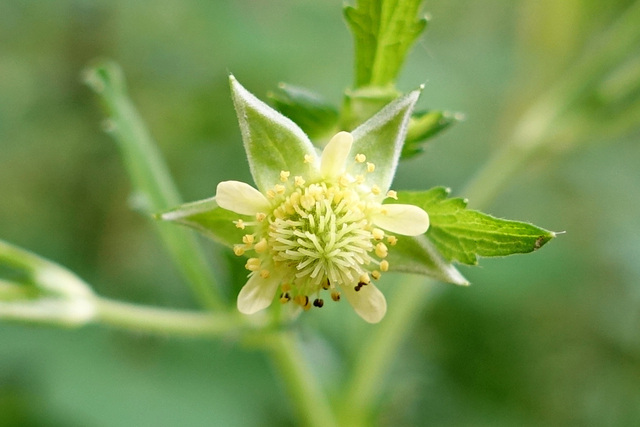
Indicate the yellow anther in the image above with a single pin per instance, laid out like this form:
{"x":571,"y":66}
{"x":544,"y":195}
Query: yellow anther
{"x":261,"y":246}
{"x":279,"y":188}
{"x":375,"y":274}
{"x":247,"y":239}
{"x":284,"y":298}
{"x":370,"y":167}
{"x":253,"y":264}
{"x":261,"y":216}
{"x":344,"y":180}
{"x":239,"y":224}
{"x":264,"y":274}
{"x":299,"y":181}
{"x":359,"y":179}
{"x":377,"y":234}
{"x":375,"y":190}
{"x":384,"y":265}
{"x":381,"y":250}
{"x":335,"y":295}
{"x":238,"y":250}
{"x":285,"y":287}
{"x":393,"y":240}
{"x":392,"y":194}
{"x":361,"y":158}
{"x":364,"y":278}
{"x":271,"y":194}
{"x":284,"y":175}
{"x":308,"y":158}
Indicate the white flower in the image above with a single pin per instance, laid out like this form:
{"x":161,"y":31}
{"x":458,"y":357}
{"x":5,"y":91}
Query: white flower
{"x":325,"y":232}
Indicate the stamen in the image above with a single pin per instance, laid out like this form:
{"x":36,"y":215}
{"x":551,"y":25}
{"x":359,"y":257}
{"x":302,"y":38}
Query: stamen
{"x":335,"y":295}
{"x":239,"y":224}
{"x":265,"y":274}
{"x":279,"y":188}
{"x":284,"y":175}
{"x":299,"y":181}
{"x":370,"y":167}
{"x":261,"y":216}
{"x":376,"y":274}
{"x":285,"y":297}
{"x":247,"y":239}
{"x":318,"y":302}
{"x":361,"y":158}
{"x":238,"y":250}
{"x":384,"y":265}
{"x":392,"y":194}
{"x":308,"y":158}
{"x":271,"y":194}
{"x":374,"y":189}
{"x":381,"y":250}
{"x":261,"y":246}
{"x":393,"y":240}
{"x":253,"y":264}
{"x":377,"y":234}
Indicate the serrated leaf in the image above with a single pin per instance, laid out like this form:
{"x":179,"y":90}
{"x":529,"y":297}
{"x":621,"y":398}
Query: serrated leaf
{"x":383,"y":31}
{"x":463,"y":234}
{"x":307,"y":109}
{"x":419,"y":256}
{"x":272,"y":141}
{"x":209,"y":219}
{"x":381,"y":137}
{"x":423,"y":126}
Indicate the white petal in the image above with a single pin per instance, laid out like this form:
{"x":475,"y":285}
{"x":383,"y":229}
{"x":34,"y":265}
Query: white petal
{"x":407,"y":220}
{"x":368,"y":302}
{"x":240,"y":198}
{"x":257,"y":293}
{"x":334,"y":155}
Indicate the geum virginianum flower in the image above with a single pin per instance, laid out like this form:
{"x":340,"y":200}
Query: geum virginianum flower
{"x":316,"y":227}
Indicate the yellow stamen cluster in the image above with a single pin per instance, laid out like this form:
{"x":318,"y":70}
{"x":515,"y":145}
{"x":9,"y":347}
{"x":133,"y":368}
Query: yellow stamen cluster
{"x":319,"y":236}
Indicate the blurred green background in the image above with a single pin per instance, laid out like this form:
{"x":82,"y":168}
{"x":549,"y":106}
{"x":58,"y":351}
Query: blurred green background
{"x":546,"y":339}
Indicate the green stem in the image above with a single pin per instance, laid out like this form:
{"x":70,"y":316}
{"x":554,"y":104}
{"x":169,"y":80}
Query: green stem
{"x":304,"y":389}
{"x":153,"y":186}
{"x":136,"y":318}
{"x":376,"y":356}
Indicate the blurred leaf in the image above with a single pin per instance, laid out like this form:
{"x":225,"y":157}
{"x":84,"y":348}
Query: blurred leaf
{"x":307,"y":109}
{"x":463,"y":235}
{"x":425,"y":125}
{"x":382,"y":136}
{"x":273,"y":142}
{"x":208,"y":218}
{"x":149,"y":175}
{"x":383,"y":32}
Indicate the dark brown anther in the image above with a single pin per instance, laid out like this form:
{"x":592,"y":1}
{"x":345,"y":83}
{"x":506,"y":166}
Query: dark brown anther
{"x":318,"y":302}
{"x":326,"y":285}
{"x":285,"y":297}
{"x":357,"y":287}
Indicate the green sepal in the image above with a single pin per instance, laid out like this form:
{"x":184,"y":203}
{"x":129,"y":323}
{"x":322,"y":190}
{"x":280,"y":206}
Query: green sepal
{"x":463,"y":235}
{"x":273,"y":142}
{"x":418,"y":255}
{"x":383,"y":31}
{"x":425,"y":125}
{"x":208,"y":218}
{"x":307,"y":109}
{"x":381,"y":138}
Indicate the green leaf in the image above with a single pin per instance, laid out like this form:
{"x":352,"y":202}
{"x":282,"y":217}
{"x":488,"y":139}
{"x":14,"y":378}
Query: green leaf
{"x":273,"y":142}
{"x":463,"y":234}
{"x":424,"y":126}
{"x":383,"y":31}
{"x":418,"y":255}
{"x":381,"y":138}
{"x":209,"y":219}
{"x":309,"y":110}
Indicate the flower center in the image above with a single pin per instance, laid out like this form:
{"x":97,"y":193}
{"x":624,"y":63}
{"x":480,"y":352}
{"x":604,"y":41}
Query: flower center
{"x":321,"y":232}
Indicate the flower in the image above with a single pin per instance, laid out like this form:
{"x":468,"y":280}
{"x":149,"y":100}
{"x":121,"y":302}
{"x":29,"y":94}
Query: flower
{"x":323,"y":232}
